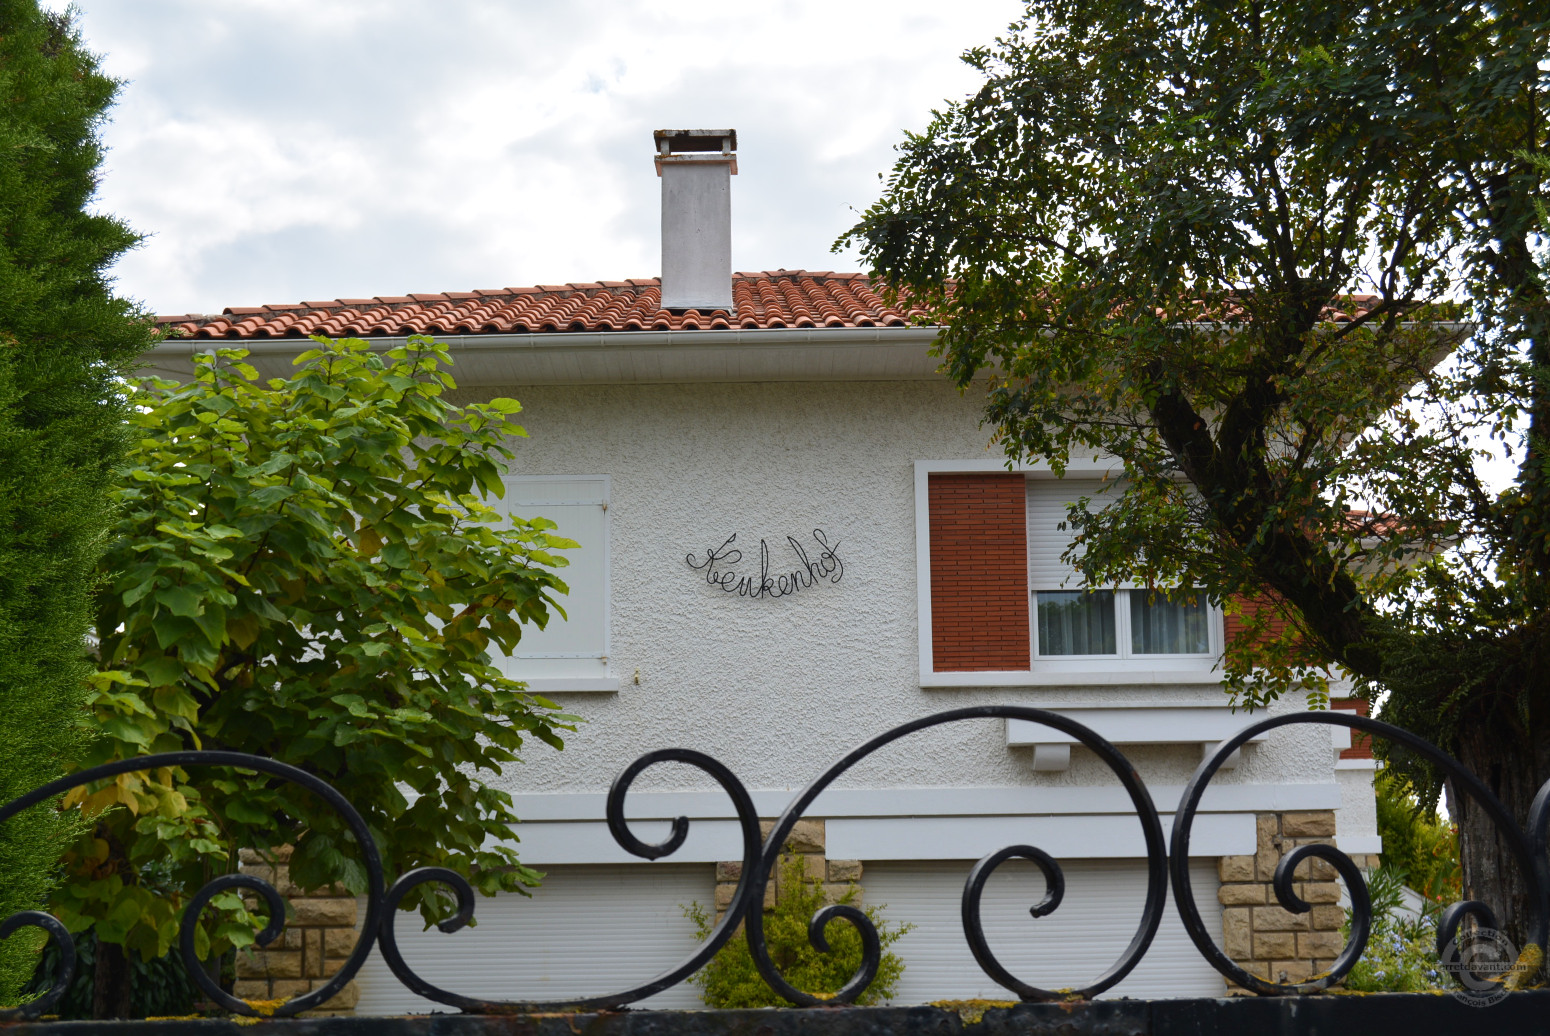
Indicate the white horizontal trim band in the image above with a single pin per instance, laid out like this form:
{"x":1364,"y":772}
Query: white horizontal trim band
{"x":1359,"y":843}
{"x":895,"y":838}
{"x":923,"y":802}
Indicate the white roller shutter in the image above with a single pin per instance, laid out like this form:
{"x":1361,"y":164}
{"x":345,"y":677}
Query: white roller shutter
{"x":1048,"y":501}
{"x":1069,"y":948}
{"x":585,"y":931}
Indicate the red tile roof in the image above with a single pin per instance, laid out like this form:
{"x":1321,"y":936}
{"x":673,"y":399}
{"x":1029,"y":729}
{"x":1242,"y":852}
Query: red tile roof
{"x":779,"y":298}
{"x":774,"y":298}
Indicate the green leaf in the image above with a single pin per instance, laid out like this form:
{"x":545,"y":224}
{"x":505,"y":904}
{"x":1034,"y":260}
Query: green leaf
{"x":180,"y":600}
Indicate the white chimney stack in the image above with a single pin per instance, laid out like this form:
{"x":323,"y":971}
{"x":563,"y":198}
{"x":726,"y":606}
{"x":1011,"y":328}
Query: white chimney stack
{"x":696,"y":167}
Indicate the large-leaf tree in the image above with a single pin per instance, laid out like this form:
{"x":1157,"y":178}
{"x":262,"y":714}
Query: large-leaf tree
{"x":64,"y":337}
{"x":306,"y":568}
{"x":1228,"y":242}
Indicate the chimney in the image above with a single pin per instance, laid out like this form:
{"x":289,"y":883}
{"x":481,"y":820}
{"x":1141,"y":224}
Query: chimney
{"x":696,"y":168}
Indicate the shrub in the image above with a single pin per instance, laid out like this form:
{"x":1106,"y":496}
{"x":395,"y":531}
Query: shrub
{"x":731,"y":979}
{"x":1401,"y":954}
{"x":1420,"y":846}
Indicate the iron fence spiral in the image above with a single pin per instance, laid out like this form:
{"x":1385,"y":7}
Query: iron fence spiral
{"x":1530,"y":856}
{"x":1151,"y":914}
{"x":748,"y":820}
{"x":275,"y":903}
{"x":1164,"y":860}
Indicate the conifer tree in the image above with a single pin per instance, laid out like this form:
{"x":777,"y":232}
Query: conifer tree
{"x":64,"y":338}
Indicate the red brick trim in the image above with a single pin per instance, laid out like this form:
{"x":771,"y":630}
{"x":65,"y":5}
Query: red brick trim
{"x":1361,"y":744}
{"x":979,"y":572}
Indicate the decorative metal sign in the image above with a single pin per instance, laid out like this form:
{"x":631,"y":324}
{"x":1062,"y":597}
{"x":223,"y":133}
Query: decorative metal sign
{"x":809,"y":571}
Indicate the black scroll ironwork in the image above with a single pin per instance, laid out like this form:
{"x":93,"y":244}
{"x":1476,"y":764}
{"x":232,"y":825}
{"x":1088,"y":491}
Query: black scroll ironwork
{"x":1151,"y":913}
{"x":748,"y":819}
{"x":1529,"y":849}
{"x":370,"y":857}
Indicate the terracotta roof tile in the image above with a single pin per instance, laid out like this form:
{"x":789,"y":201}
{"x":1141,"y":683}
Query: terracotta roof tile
{"x":764,"y":299}
{"x":768,"y":299}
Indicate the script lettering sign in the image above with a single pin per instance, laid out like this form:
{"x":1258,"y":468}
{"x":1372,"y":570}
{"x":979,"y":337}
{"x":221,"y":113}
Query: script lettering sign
{"x":808,"y":569}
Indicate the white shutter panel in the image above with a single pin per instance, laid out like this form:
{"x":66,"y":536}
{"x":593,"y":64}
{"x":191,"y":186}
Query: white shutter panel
{"x":577,"y":645}
{"x":585,"y":931}
{"x":1068,"y":948}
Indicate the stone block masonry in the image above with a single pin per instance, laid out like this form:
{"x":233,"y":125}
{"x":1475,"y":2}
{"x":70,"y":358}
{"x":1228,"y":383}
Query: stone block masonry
{"x":319,"y":936}
{"x":1265,"y":939}
{"x":806,"y":842}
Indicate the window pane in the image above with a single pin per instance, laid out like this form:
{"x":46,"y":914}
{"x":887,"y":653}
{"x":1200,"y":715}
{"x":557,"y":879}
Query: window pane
{"x":1168,"y":622}
{"x":1076,"y":622}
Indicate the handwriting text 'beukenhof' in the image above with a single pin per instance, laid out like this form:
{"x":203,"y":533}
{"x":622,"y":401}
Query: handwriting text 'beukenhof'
{"x":717,"y":566}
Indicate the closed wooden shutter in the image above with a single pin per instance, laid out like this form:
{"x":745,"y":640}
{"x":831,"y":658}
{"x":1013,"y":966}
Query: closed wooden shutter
{"x":576,"y":646}
{"x":979,"y":572}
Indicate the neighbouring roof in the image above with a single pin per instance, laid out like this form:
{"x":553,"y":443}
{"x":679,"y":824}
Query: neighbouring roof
{"x":772,"y":299}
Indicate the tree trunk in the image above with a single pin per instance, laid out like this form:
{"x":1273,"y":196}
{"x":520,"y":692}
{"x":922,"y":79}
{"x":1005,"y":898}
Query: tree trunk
{"x":111,"y":982}
{"x":1513,"y":763}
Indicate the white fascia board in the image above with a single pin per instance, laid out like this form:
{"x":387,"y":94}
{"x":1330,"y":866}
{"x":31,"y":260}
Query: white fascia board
{"x":612,"y":357}
{"x":1356,"y":764}
{"x":1133,"y":726}
{"x":1030,"y":800}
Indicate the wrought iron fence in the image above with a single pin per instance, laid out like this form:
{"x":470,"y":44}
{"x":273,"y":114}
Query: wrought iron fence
{"x":760,"y":857}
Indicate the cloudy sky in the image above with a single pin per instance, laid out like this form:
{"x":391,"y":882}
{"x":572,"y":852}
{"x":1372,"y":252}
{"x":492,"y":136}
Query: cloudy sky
{"x":280,"y":150}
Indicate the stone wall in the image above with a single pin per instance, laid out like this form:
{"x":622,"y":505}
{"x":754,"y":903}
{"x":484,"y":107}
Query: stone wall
{"x":806,"y":842}
{"x":318,"y":938}
{"x":1264,"y":938}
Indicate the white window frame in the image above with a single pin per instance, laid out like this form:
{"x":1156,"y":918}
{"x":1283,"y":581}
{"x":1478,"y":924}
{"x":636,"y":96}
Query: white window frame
{"x":606,"y":682}
{"x":1122,"y":634}
{"x":1060,"y":671}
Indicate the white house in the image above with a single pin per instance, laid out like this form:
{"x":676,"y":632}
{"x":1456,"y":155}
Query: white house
{"x":886,"y":564}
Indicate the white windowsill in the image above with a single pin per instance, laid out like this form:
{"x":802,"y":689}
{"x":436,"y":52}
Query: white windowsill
{"x":1072,"y":678}
{"x":559,"y":685}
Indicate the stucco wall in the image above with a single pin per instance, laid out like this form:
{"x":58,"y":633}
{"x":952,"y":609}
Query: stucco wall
{"x":780,"y":688}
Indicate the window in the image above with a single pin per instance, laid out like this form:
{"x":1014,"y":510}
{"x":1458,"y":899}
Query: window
{"x":571,"y":654}
{"x":1119,"y":623}
{"x":998,"y":606}
{"x":1160,"y":622}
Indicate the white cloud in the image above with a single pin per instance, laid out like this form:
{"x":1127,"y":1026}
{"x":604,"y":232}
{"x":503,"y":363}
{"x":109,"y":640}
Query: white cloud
{"x":280,"y":150}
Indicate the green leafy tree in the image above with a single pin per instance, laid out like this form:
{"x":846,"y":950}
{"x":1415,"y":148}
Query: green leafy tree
{"x":1419,"y":847}
{"x":1146,"y":229}
{"x":305,"y":569}
{"x":732,"y":980}
{"x":63,"y":337}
